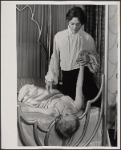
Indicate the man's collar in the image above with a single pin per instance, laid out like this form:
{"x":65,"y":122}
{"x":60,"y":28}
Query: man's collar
{"x":70,"y":32}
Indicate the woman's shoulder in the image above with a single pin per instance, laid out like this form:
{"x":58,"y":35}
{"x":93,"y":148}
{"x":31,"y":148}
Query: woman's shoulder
{"x":69,"y":102}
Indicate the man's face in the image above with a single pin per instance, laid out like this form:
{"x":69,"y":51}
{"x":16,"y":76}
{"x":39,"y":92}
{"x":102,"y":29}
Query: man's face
{"x":74,"y":25}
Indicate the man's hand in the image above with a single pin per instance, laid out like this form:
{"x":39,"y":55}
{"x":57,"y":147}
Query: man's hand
{"x":49,"y":86}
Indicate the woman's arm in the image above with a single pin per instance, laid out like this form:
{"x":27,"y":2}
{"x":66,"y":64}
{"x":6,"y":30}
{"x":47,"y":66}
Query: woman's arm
{"x":79,"y":94}
{"x":46,"y":111}
{"x":53,"y":71}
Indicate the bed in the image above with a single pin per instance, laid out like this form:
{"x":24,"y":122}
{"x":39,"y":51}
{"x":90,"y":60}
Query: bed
{"x":35,"y":129}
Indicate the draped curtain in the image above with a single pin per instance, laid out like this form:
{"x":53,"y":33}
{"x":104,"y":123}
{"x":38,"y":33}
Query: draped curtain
{"x":95,"y":26}
{"x":31,"y":47}
{"x":36,"y":26}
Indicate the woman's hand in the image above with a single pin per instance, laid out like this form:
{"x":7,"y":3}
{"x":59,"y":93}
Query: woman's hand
{"x":49,"y":86}
{"x":85,"y":59}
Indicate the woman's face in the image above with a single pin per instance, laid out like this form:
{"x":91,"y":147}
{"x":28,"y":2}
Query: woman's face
{"x":74,"y":25}
{"x":67,"y":115}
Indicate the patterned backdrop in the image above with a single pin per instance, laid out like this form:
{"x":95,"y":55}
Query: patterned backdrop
{"x":112,"y":65}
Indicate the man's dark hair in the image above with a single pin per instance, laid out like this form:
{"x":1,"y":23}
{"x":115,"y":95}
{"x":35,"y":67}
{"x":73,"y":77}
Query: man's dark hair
{"x":76,"y":12}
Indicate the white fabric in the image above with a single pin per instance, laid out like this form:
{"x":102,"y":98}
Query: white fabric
{"x":29,"y":93}
{"x":66,"y":49}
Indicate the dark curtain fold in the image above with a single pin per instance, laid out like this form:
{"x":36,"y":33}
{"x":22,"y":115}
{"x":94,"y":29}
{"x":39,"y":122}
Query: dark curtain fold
{"x":95,"y":26}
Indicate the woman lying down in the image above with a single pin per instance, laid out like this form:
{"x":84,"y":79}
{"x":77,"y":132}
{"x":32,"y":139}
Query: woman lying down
{"x":56,"y":104}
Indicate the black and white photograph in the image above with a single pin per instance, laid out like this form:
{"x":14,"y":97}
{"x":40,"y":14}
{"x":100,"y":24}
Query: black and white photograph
{"x":60,"y":74}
